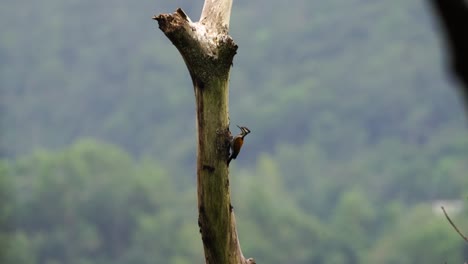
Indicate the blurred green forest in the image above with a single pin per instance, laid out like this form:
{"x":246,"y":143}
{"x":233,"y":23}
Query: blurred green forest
{"x":356,"y":131}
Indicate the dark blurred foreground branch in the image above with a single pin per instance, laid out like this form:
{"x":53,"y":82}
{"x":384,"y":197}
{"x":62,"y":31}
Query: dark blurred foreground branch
{"x":454,"y":226}
{"x":453,"y":18}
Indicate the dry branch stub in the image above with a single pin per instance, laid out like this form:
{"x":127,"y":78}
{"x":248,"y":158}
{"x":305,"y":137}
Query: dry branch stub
{"x":208,"y":53}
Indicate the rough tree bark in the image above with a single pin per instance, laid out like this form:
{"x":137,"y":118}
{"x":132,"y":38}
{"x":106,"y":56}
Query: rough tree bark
{"x":208,"y":52}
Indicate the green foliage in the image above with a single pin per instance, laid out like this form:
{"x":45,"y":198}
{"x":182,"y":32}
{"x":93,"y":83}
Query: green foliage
{"x":270,"y":219}
{"x":91,"y":203}
{"x":420,"y":236}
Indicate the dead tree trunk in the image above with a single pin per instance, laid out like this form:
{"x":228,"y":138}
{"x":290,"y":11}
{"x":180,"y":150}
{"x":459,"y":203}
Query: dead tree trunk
{"x":208,"y":51}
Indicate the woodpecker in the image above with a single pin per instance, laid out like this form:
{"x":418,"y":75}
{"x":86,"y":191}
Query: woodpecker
{"x":236,"y":143}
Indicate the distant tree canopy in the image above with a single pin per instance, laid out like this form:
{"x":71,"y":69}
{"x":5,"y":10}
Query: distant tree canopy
{"x":359,"y":74}
{"x":92,"y":203}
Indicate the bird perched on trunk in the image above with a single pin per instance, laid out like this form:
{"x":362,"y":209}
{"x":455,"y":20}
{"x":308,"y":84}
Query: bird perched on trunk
{"x":236,"y":143}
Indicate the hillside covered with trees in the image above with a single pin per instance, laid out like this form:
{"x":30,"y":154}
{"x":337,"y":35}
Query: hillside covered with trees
{"x":356,"y":131}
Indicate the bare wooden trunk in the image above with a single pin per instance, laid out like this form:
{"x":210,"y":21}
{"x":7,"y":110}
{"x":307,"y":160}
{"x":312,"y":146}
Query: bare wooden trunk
{"x":208,"y":51}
